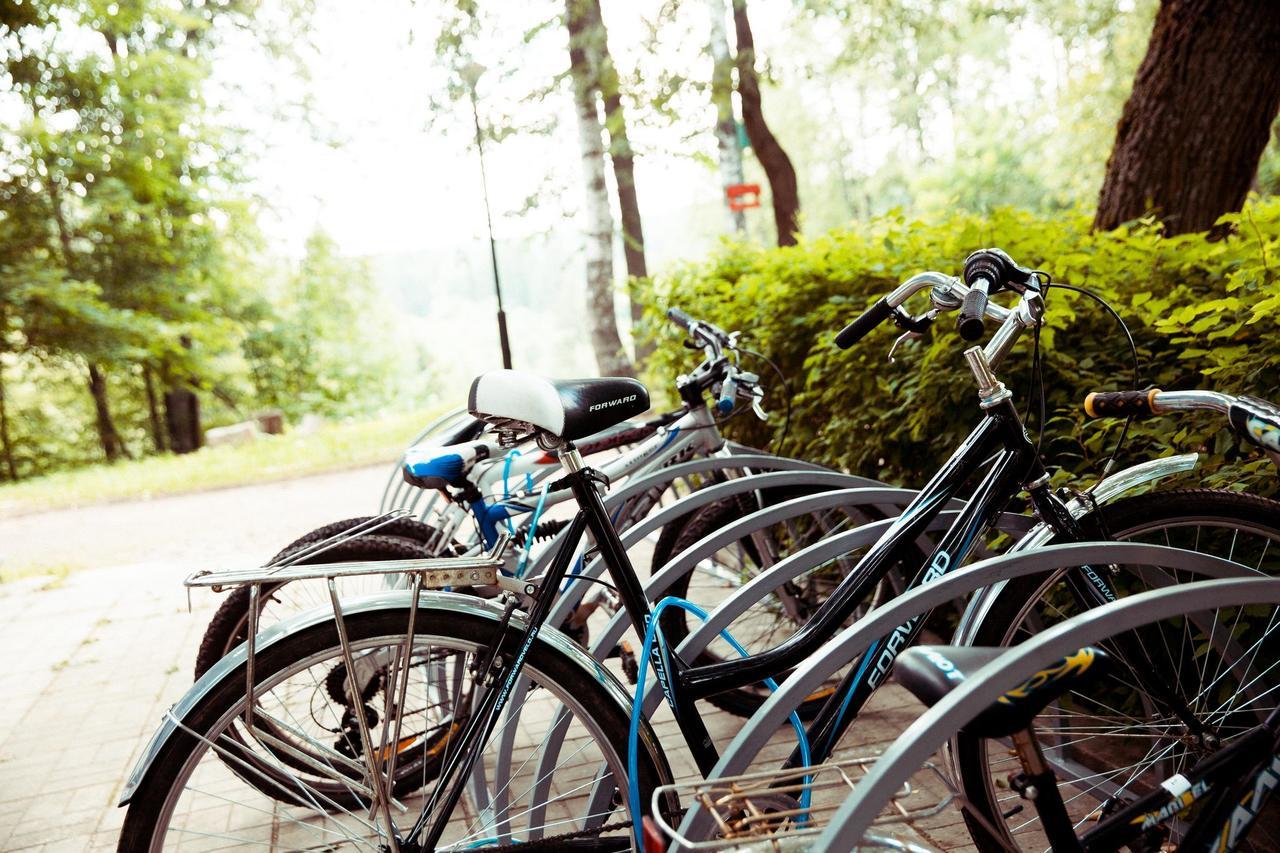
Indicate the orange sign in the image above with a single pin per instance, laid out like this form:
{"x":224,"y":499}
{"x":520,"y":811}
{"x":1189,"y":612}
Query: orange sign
{"x":742,"y":196}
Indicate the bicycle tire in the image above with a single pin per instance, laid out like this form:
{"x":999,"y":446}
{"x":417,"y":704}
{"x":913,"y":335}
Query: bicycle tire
{"x":1127,"y":518}
{"x":553,"y":674}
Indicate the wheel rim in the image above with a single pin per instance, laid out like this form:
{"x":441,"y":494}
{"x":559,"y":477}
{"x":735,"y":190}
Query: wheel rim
{"x":490,"y":811}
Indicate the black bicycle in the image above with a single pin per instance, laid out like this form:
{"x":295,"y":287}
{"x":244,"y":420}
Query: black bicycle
{"x":459,"y":678}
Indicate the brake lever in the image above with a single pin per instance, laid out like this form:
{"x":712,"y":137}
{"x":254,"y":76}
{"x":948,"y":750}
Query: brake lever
{"x":915,"y":328}
{"x":757,"y":394}
{"x":901,"y":339}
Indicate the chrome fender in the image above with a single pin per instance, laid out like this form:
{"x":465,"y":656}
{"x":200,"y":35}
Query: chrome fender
{"x":385,"y":600}
{"x":1115,"y":486}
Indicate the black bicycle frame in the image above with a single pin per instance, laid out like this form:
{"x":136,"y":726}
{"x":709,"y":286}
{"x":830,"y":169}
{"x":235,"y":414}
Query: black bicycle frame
{"x":998,"y":440}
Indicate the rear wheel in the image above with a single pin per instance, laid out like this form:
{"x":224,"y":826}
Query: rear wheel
{"x":569,"y":777}
{"x":1113,"y":742}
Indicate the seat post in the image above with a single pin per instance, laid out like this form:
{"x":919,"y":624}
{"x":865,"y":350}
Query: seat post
{"x":1038,"y":783}
{"x":571,"y":459}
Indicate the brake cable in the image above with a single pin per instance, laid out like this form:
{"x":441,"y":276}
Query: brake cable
{"x":1133,"y":351}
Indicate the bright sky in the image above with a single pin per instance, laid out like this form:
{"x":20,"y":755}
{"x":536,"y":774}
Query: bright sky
{"x":404,"y":178}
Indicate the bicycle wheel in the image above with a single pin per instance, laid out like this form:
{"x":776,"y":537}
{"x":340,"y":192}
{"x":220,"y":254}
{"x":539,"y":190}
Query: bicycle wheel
{"x":1115,"y":741}
{"x":778,"y":615}
{"x":191,"y":794}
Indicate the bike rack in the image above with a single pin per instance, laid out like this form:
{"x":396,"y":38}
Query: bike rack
{"x":932,"y":729}
{"x":846,"y":646}
{"x":663,"y":477}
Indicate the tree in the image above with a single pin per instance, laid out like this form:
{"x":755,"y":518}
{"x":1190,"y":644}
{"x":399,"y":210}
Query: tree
{"x":622,"y":156}
{"x":777,"y":165}
{"x":602,"y":321}
{"x":722,"y":98}
{"x":1199,"y":116}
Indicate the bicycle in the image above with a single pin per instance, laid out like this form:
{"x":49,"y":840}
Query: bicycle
{"x":495,"y":644}
{"x":1010,"y":613}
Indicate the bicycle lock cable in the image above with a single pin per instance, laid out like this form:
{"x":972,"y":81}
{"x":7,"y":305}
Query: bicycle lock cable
{"x":654,"y":632}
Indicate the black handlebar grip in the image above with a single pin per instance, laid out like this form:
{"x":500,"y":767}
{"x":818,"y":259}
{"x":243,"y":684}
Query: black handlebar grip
{"x":680,"y":318}
{"x":972,"y":320}
{"x":867,"y":320}
{"x":1120,"y":404}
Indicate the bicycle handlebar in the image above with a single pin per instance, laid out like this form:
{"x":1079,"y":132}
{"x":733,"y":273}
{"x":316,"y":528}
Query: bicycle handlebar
{"x":1255,"y":420}
{"x":879,"y":311}
{"x":1120,"y":404}
{"x":971,"y":324}
{"x":681,"y":319}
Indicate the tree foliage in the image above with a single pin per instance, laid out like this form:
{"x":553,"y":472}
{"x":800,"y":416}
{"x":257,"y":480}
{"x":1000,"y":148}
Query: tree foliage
{"x":130,"y":265}
{"x":1203,"y":314}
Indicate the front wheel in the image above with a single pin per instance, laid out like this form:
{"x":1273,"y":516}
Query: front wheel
{"x":534,"y":780}
{"x":1113,"y":742}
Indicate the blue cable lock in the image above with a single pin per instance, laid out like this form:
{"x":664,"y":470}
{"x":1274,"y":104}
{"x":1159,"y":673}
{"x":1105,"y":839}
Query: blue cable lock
{"x":652,"y":633}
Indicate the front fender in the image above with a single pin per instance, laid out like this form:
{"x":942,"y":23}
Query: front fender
{"x":1117,"y":485}
{"x":385,"y":600}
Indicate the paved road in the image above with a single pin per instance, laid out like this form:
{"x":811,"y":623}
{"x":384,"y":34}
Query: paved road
{"x":255,"y":520}
{"x":93,"y":660}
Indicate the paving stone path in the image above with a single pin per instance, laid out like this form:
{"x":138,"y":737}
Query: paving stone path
{"x":91,"y":661}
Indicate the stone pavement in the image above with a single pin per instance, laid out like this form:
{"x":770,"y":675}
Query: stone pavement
{"x":93,"y":660}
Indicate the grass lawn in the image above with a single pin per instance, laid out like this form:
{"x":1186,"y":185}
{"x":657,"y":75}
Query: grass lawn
{"x":334,"y":446}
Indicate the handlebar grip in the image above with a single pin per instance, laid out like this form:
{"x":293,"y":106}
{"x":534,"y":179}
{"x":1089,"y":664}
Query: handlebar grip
{"x":972,"y":320}
{"x":728,"y":395}
{"x":680,"y":318}
{"x":867,"y":320}
{"x":1120,"y":404}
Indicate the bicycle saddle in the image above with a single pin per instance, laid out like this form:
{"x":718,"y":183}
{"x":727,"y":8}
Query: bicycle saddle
{"x":931,"y":672}
{"x":566,"y":408}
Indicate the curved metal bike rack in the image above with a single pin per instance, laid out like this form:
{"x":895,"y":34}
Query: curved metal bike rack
{"x":846,"y":646}
{"x":681,"y":564}
{"x":749,"y":462}
{"x":927,"y":734}
{"x":750,"y":593}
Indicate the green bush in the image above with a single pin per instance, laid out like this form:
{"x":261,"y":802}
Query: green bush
{"x":1203,"y":315}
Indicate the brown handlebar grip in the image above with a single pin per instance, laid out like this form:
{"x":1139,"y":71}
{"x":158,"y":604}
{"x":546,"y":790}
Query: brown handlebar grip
{"x":1120,"y":404}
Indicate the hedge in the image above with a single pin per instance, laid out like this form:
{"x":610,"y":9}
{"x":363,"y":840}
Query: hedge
{"x":1203,"y":314}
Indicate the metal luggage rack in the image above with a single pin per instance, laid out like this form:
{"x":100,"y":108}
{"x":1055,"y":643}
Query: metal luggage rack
{"x":482,"y":569}
{"x":758,"y":812}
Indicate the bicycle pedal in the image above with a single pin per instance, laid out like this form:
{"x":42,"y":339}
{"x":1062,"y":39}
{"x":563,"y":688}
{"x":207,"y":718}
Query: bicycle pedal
{"x":1013,"y":811}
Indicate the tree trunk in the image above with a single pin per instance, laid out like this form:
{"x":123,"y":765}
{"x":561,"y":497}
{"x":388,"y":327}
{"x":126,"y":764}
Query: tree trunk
{"x":1192,"y":132}
{"x":112,"y":447}
{"x":776,"y":163}
{"x":6,"y":444}
{"x":158,"y":437}
{"x":722,"y":97}
{"x":182,"y":419}
{"x":611,"y":359}
{"x":622,"y":157}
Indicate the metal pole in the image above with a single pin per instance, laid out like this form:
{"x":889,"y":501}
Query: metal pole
{"x":493,"y":247}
